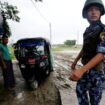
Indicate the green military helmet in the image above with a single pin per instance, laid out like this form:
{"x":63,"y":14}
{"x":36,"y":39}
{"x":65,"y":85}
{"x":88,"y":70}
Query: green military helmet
{"x":88,"y":3}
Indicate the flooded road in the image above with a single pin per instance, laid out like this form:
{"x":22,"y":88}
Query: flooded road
{"x":57,"y":89}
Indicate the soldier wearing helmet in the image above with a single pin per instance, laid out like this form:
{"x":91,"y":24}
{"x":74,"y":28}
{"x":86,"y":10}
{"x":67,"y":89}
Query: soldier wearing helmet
{"x":91,"y":75}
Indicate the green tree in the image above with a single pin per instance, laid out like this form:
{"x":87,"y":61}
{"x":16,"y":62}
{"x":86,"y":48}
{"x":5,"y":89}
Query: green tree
{"x":70,"y":42}
{"x":8,"y":12}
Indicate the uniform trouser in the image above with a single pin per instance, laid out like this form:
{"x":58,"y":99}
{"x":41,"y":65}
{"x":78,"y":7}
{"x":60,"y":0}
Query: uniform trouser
{"x":8,"y":75}
{"x":89,"y":88}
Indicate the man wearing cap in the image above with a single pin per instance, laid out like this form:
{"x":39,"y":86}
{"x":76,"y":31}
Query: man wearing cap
{"x":91,"y":75}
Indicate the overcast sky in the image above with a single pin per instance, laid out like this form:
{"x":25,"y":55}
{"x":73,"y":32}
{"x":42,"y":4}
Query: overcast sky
{"x":65,"y":17}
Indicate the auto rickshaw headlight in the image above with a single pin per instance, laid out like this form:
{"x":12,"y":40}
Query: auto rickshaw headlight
{"x":42,"y":64}
{"x":22,"y":66}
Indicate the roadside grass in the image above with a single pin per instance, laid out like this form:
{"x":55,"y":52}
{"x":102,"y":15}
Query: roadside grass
{"x":65,"y":48}
{"x":56,"y":49}
{"x":12,"y":53}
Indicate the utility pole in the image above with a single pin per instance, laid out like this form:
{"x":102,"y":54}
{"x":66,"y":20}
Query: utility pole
{"x":50,"y":28}
{"x":50,"y":33}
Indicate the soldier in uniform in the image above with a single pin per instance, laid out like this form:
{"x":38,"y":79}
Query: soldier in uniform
{"x":91,"y":75}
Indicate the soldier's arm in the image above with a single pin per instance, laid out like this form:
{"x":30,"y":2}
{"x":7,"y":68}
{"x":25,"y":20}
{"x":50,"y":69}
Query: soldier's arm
{"x":76,"y":60}
{"x":76,"y":75}
{"x":93,"y":62}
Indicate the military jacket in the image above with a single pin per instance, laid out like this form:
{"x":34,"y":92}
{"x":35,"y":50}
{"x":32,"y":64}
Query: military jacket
{"x":93,"y":41}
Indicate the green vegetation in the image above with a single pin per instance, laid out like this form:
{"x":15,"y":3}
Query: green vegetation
{"x":65,"y":48}
{"x":70,"y":42}
{"x":12,"y":53}
{"x":56,"y":49}
{"x":8,"y":12}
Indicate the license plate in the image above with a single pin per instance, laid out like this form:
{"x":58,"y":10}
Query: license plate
{"x":31,"y":61}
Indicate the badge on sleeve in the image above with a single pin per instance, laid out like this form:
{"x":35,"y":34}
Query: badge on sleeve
{"x":102,"y":37}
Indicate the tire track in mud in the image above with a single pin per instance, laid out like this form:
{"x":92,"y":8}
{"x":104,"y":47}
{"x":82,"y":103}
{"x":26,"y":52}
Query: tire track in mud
{"x":65,"y":86}
{"x":72,"y":100}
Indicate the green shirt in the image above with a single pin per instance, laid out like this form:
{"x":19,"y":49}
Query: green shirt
{"x":5,"y":52}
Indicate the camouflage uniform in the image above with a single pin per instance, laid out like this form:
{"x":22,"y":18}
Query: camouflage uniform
{"x":92,"y":81}
{"x":89,"y":88}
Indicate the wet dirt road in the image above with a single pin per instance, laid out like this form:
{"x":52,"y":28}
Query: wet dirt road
{"x":24,"y":96}
{"x":57,"y":89}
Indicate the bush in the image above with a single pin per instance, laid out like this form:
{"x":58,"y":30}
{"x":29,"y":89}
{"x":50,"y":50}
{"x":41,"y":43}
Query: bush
{"x":70,"y":42}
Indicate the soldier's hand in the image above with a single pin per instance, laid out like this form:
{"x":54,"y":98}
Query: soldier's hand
{"x":76,"y":74}
{"x":73,"y":76}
